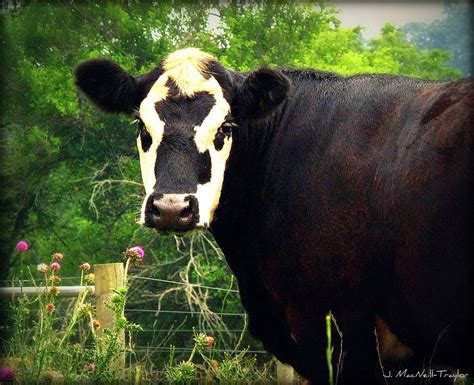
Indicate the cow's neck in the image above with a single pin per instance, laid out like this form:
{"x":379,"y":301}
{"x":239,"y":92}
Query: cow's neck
{"x":237,"y":218}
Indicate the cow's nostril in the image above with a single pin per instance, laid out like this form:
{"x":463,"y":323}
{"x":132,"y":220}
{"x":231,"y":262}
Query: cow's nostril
{"x":186,"y":213}
{"x":155,"y":208}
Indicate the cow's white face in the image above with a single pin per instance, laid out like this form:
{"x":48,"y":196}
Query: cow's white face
{"x":184,"y":122}
{"x":184,"y":142}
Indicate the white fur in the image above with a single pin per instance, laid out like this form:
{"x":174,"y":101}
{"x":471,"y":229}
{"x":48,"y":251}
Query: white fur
{"x":208,"y":194}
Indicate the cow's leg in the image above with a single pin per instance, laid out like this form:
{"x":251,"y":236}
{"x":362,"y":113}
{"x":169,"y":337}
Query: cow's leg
{"x":360,"y":353}
{"x":358,"y":345}
{"x":274,"y":334}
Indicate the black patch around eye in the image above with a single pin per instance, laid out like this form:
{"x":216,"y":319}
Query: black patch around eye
{"x":224,"y":131}
{"x":219,"y":140}
{"x":227,"y":128}
{"x":145,"y":136}
{"x":204,"y":175}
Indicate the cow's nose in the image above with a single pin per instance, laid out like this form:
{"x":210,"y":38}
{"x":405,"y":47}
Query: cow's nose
{"x":169,"y":215}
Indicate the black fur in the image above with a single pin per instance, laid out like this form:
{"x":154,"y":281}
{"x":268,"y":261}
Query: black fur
{"x":178,"y":111}
{"x":108,"y":85}
{"x":260,"y":94}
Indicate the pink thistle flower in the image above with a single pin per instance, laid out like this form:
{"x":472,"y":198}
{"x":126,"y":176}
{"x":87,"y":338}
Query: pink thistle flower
{"x":139,"y":250}
{"x":55,"y":266}
{"x":85,"y":267}
{"x":50,"y":307}
{"x":135,"y":254}
{"x":22,"y":246}
{"x":6,"y":374}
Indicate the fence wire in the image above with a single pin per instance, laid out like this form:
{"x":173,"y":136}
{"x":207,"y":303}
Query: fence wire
{"x":182,"y":283}
{"x":179,"y":312}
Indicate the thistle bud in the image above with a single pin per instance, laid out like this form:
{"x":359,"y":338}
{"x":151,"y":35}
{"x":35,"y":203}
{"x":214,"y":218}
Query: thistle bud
{"x":42,"y":268}
{"x":210,"y":341}
{"x":90,"y":278}
{"x":85,"y":266}
{"x":53,"y":290}
{"x":58,"y":257}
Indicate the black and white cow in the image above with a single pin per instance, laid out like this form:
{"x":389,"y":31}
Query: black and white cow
{"x":326,"y":193}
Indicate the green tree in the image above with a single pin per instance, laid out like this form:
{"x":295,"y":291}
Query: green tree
{"x":452,"y":32}
{"x":55,"y":147}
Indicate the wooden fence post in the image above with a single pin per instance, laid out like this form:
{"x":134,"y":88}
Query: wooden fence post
{"x":108,"y":276}
{"x":285,"y":374}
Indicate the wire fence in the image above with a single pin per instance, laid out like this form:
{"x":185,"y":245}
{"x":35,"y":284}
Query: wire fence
{"x":182,"y":283}
{"x":16,"y":280}
{"x":159,"y":311}
{"x":131,"y":278}
{"x":151,"y":349}
{"x":180,"y":312}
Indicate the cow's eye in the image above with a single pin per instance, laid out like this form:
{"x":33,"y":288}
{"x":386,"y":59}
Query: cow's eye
{"x":140,"y":125}
{"x":224,"y":131}
{"x":145,"y":136}
{"x":227,"y":127}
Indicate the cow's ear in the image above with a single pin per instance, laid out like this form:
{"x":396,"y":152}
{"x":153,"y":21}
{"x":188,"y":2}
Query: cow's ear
{"x":107,"y":85}
{"x":261,"y":92}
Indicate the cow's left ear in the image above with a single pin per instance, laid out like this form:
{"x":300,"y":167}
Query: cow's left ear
{"x":261,"y":92}
{"x":110,"y":87}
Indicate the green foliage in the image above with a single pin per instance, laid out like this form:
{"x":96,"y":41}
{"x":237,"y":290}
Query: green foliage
{"x":235,"y":368}
{"x":69,"y":346}
{"x":452,"y":32}
{"x":42,"y":342}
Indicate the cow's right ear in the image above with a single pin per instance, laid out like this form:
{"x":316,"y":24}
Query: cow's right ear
{"x":260,"y":93}
{"x":107,"y":85}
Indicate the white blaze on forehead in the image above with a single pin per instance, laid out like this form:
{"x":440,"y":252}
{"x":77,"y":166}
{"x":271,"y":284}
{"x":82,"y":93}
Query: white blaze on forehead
{"x":186,"y":68}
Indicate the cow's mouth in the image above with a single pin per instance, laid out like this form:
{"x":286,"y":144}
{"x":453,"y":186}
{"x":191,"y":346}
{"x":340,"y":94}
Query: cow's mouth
{"x":180,"y":232}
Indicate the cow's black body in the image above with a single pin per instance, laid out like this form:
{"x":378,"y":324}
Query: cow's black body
{"x":350,"y":195}
{"x":354,"y":197}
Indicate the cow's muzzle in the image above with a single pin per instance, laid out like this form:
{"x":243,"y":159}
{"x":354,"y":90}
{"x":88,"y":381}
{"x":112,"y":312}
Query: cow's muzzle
{"x":172,"y":213}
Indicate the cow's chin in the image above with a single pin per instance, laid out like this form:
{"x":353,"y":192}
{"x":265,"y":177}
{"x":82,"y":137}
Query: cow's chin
{"x":181,"y":232}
